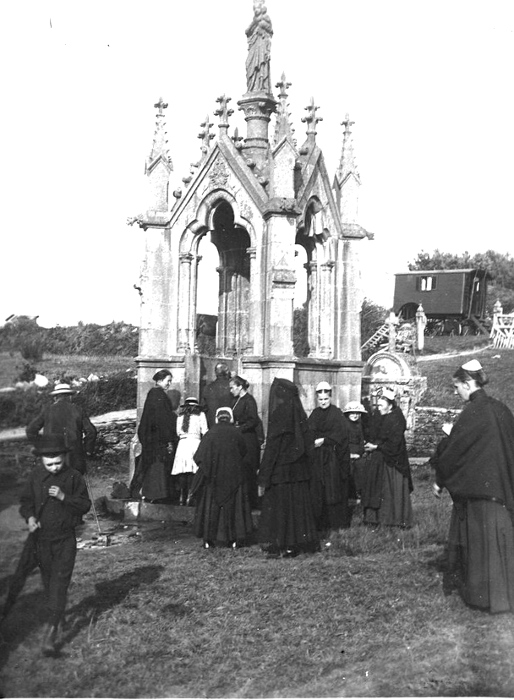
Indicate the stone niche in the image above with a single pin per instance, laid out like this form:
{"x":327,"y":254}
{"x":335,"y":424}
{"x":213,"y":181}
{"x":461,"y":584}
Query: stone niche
{"x":400,"y":372}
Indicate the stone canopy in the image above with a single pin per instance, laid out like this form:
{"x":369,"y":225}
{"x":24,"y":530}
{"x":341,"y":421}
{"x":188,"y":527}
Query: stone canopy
{"x":256,"y":198}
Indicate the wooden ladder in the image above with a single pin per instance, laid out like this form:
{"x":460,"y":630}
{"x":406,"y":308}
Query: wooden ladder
{"x":374,"y":340}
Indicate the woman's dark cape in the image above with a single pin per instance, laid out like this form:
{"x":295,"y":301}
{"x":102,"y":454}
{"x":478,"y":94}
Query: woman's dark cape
{"x":478,"y":461}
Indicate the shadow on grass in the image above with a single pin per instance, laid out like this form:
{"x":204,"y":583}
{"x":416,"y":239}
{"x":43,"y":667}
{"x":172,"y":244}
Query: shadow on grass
{"x":30,"y":615}
{"x":109,"y":594}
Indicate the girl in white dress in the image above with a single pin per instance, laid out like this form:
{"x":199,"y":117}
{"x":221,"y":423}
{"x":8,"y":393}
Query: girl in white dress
{"x":191,"y":426}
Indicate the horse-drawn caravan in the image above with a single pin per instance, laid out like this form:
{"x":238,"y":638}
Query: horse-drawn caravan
{"x":454,"y":301}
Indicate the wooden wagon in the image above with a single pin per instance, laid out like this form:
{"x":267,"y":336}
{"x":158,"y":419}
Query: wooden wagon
{"x":454,"y":301}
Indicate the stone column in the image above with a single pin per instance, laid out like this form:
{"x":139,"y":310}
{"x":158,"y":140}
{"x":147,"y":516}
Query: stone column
{"x":224,"y":332}
{"x":257,"y":111}
{"x":348,"y":302}
{"x":254,"y":305}
{"x":155,"y":293}
{"x":184,"y":305}
{"x":313,"y":311}
{"x":280,"y":216}
{"x":242,"y":310}
{"x":392,"y":322}
{"x":194,"y":304}
{"x":231,"y":293}
{"x":421,"y":323}
{"x":326,"y":325}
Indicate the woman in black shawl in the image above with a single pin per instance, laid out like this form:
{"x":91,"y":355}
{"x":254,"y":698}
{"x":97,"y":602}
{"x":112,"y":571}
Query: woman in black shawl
{"x":247,"y":421}
{"x":332,"y":463}
{"x":157,"y":434}
{"x":223,"y":515}
{"x":477,"y":468}
{"x":286,"y":526}
{"x":387,"y":482}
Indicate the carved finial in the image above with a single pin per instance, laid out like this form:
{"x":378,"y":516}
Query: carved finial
{"x":238,"y":140}
{"x":223,"y":112}
{"x":311,"y":120}
{"x":347,"y":162}
{"x":160,"y":105}
{"x":283,"y":85}
{"x":283,"y":124}
{"x":259,"y":35}
{"x":159,"y":150}
{"x":347,"y":124}
{"x":205,"y":135}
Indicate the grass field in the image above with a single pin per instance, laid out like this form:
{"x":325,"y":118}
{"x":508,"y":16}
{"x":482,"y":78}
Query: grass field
{"x":499,"y":365}
{"x":161,"y":617}
{"x":365,"y":617}
{"x":56,"y":366}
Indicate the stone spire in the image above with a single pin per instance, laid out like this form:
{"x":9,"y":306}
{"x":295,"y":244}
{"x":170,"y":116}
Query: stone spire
{"x":160,"y":140}
{"x":347,"y":179}
{"x":347,"y":163}
{"x":283,"y":124}
{"x":158,"y":165}
{"x":312,"y":121}
{"x":223,"y":112}
{"x":206,"y":136}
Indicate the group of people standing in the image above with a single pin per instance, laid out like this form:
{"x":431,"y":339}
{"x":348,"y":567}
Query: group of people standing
{"x":305,"y":478}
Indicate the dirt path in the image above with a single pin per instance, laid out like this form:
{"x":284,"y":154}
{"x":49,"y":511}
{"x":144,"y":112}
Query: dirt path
{"x":426,"y":358}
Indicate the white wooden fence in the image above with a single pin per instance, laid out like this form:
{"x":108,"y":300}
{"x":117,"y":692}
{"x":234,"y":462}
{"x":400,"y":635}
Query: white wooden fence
{"x":502,"y":332}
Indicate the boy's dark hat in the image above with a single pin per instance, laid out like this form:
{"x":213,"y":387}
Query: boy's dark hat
{"x":50,"y":445}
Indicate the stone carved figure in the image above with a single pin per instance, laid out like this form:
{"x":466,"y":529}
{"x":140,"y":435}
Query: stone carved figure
{"x":259,"y":35}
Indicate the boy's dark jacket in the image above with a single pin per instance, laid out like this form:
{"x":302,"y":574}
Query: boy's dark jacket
{"x":57,"y":518}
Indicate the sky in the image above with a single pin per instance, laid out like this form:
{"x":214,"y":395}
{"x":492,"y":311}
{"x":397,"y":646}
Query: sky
{"x":427,"y":83}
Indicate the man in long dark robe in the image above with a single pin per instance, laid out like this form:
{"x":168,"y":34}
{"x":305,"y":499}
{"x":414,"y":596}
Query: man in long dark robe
{"x":332,"y":462}
{"x":477,"y":468}
{"x":217,"y":393}
{"x":68,"y":420}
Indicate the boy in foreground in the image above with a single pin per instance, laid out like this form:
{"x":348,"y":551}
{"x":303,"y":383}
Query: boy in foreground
{"x":53,"y":501}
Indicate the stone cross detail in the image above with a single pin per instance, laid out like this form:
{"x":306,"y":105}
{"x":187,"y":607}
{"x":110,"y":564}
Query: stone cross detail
{"x":160,"y":106}
{"x":347,"y":123}
{"x":205,"y":135}
{"x":223,"y":112}
{"x":311,"y":119}
{"x":283,"y":85}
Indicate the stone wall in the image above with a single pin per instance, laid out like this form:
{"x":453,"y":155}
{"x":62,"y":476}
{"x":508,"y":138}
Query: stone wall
{"x":428,"y":433}
{"x":113,"y":442}
{"x":112,"y":445}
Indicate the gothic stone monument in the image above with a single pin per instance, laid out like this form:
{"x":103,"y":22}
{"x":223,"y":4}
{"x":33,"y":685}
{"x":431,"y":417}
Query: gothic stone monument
{"x":255,"y":198}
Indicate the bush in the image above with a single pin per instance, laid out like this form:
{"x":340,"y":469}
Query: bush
{"x":117,"y":392}
{"x":116,"y":338}
{"x":31,"y":349}
{"x":372,"y":317}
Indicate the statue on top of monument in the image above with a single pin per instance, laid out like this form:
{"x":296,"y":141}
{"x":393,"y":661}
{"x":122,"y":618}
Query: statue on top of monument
{"x":259,"y":35}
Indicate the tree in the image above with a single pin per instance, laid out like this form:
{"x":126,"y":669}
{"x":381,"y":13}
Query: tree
{"x":372,"y":317}
{"x":499,"y":265}
{"x":440,"y":261}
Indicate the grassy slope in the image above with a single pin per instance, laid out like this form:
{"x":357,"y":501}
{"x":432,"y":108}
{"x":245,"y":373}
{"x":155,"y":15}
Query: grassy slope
{"x":499,"y":365}
{"x":54,"y":366}
{"x":366,"y":617}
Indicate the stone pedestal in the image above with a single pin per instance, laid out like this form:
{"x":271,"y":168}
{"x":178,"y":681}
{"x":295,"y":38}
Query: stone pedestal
{"x":400,"y":372}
